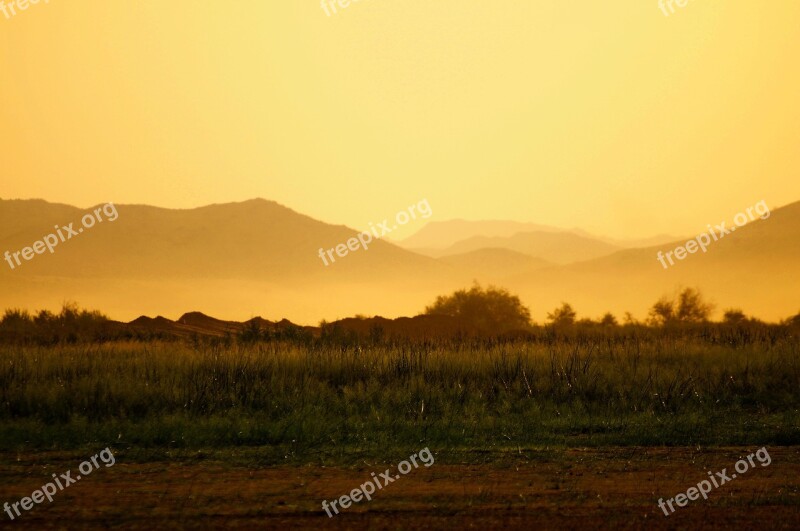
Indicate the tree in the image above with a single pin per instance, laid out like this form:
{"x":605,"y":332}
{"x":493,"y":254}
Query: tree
{"x":70,"y":325}
{"x":793,"y":321}
{"x":563,"y":316}
{"x":630,"y":320}
{"x":662,"y":312}
{"x":692,"y":308}
{"x":734,"y":317}
{"x":687,"y":307}
{"x":489,"y":310}
{"x":608,"y":320}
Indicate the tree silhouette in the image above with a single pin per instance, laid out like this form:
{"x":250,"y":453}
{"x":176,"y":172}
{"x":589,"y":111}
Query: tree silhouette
{"x":563,"y":316}
{"x":489,"y":310}
{"x":734,"y":317}
{"x":793,"y":321}
{"x":608,"y":320}
{"x":687,"y":307}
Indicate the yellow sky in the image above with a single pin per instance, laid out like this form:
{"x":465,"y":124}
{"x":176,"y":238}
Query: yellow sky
{"x":604,"y":115}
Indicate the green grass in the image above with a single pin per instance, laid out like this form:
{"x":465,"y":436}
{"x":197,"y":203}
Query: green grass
{"x":305,"y":403}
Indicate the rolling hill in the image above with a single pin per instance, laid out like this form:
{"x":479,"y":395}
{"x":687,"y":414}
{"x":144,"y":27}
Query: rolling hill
{"x":240,"y":259}
{"x":436,"y":237}
{"x":556,"y":247}
{"x":754,"y":269}
{"x":253,"y":258}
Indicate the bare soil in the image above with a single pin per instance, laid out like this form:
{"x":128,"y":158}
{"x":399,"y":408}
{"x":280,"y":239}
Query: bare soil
{"x":610,"y":488}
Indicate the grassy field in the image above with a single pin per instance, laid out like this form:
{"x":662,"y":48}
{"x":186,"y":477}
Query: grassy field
{"x":550,"y":431}
{"x":321,"y":402}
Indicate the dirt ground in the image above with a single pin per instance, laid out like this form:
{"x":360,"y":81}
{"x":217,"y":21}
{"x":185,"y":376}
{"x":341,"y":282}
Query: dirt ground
{"x":610,"y":488}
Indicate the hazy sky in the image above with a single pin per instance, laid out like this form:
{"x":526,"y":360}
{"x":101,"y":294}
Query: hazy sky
{"x":605,"y":115}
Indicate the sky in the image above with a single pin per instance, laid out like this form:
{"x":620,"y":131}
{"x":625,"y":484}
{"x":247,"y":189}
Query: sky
{"x":609,"y":116}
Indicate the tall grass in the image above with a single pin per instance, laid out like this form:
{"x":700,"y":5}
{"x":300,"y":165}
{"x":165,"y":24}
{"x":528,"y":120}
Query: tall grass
{"x":334,"y":399}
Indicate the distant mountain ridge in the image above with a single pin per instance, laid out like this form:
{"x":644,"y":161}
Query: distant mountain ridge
{"x":259,"y":257}
{"x":200,"y":324}
{"x":754,"y":269}
{"x":556,"y":247}
{"x":437,"y":238}
{"x":441,"y":234}
{"x":256,"y":239}
{"x":234,"y":259}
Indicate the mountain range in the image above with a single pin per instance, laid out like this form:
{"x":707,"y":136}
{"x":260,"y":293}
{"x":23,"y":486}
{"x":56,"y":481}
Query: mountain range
{"x":257,"y":257}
